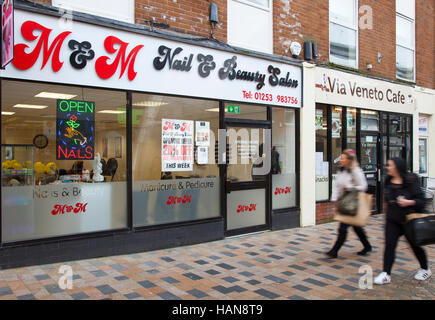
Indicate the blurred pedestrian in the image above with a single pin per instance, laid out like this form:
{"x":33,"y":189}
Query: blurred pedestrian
{"x":404,"y":196}
{"x":350,"y":177}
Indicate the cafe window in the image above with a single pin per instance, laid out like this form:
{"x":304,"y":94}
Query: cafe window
{"x":175,"y":171}
{"x":343,"y":32}
{"x":322,"y":164}
{"x":63,"y":152}
{"x":283,"y":158}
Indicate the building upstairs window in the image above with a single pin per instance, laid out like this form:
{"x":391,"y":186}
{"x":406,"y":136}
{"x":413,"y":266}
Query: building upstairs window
{"x":250,"y":24}
{"x":112,"y":9}
{"x":343,"y":32}
{"x":405,"y":40}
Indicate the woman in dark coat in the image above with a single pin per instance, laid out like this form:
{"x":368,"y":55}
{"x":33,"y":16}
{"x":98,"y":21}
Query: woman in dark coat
{"x":403,"y":196}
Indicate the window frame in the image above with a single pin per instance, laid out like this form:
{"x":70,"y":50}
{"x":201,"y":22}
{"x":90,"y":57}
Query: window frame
{"x":412,"y":20}
{"x":249,"y":3}
{"x":354,"y":27}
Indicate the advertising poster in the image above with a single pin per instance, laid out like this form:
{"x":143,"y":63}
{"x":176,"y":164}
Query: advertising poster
{"x":319,"y":119}
{"x":202,"y":134}
{"x":7,"y":43}
{"x":75,"y":130}
{"x":202,"y":157}
{"x":177,"y":145}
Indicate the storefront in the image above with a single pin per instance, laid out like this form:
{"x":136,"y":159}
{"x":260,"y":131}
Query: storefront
{"x":117,"y":141}
{"x":375,"y":118}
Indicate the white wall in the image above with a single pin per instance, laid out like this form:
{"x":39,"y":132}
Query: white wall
{"x":249,"y":26}
{"x":308,"y":151}
{"x":113,"y":9}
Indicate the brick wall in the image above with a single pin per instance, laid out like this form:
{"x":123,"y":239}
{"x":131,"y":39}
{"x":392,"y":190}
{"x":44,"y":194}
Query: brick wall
{"x":324,"y":212}
{"x":182,"y":16}
{"x":48,"y":2}
{"x":299,"y":20}
{"x":381,"y":38}
{"x":425,"y":43}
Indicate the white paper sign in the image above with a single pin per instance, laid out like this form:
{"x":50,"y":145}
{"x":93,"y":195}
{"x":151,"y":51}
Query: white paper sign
{"x":202,"y":135}
{"x":202,"y":155}
{"x":177,"y":145}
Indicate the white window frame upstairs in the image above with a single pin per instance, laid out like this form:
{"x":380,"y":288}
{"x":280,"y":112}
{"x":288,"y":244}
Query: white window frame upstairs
{"x":354,"y":27}
{"x":249,"y":3}
{"x":412,"y":20}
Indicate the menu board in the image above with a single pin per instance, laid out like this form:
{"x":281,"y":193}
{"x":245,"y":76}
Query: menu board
{"x":177,"y":145}
{"x":75,"y":130}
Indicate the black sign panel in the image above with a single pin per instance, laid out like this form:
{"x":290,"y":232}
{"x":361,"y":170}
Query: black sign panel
{"x":75,"y":130}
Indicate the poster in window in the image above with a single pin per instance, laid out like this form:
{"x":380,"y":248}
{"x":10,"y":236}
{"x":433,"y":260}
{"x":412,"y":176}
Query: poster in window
{"x":75,"y":130}
{"x":319,"y":119}
{"x":7,"y":35}
{"x":202,"y":134}
{"x":177,"y":145}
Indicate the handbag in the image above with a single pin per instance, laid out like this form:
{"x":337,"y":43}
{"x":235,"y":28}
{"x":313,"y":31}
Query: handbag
{"x":348,"y":202}
{"x":363,"y":212}
{"x":420,"y":228}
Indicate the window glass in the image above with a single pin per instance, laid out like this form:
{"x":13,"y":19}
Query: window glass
{"x":342,"y":44}
{"x":404,"y":32}
{"x":422,"y":152}
{"x":175,"y":175}
{"x":406,"y":7}
{"x":336,"y":130}
{"x":351,"y":128}
{"x":283,"y":158}
{"x":322,"y":164}
{"x":404,"y":63}
{"x":342,"y":12}
{"x":52,"y":182}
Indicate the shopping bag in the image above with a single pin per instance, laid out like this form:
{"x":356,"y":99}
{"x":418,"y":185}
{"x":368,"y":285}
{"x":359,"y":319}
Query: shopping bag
{"x":420,"y":228}
{"x":348,"y":203}
{"x":363,"y":212}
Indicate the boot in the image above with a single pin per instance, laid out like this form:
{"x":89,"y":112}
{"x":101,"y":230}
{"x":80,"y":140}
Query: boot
{"x":333,"y":253}
{"x":363,"y":238}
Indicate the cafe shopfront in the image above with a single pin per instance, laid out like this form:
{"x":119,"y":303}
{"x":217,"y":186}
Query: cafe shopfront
{"x":117,"y":141}
{"x":375,"y":118}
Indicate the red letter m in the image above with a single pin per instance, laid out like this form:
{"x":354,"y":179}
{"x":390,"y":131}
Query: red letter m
{"x":24,"y":61}
{"x":105,"y":70}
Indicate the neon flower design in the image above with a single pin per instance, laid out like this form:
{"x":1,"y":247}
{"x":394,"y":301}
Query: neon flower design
{"x":72,"y":132}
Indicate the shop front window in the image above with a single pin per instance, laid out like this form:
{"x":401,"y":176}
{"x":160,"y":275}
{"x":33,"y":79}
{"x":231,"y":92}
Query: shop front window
{"x":422,"y":152}
{"x":283,"y":158}
{"x":322,"y":164}
{"x":175,"y":171}
{"x":63,"y":160}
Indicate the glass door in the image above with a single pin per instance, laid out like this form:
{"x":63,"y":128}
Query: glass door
{"x":247,"y":178}
{"x":370,"y":154}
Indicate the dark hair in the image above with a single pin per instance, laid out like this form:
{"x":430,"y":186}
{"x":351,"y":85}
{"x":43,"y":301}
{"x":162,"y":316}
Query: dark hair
{"x":401,"y":170}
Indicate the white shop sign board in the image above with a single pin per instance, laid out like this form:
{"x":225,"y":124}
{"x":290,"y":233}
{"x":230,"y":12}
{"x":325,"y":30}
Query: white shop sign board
{"x":48,"y":49}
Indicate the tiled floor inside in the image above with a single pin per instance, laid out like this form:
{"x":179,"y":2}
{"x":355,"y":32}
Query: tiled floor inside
{"x":287,"y":264}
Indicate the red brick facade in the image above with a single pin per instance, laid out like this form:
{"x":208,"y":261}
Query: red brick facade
{"x":425,"y":43}
{"x":182,"y":16}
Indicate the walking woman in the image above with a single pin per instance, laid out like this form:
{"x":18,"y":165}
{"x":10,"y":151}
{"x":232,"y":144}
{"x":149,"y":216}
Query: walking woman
{"x":350,"y":177}
{"x":403,"y":196}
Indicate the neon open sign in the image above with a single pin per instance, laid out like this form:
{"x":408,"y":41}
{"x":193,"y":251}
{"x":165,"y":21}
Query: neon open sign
{"x":75,"y":130}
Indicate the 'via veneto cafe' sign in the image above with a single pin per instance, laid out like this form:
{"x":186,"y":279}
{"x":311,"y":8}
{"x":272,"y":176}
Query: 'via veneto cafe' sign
{"x":47,"y":49}
{"x":346,"y":89}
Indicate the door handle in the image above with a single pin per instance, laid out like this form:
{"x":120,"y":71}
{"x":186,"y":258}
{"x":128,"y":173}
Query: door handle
{"x":379,"y":175}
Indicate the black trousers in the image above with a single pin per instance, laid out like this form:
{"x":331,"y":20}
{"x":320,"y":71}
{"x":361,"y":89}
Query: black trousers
{"x":342,"y":234}
{"x":393,"y":231}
